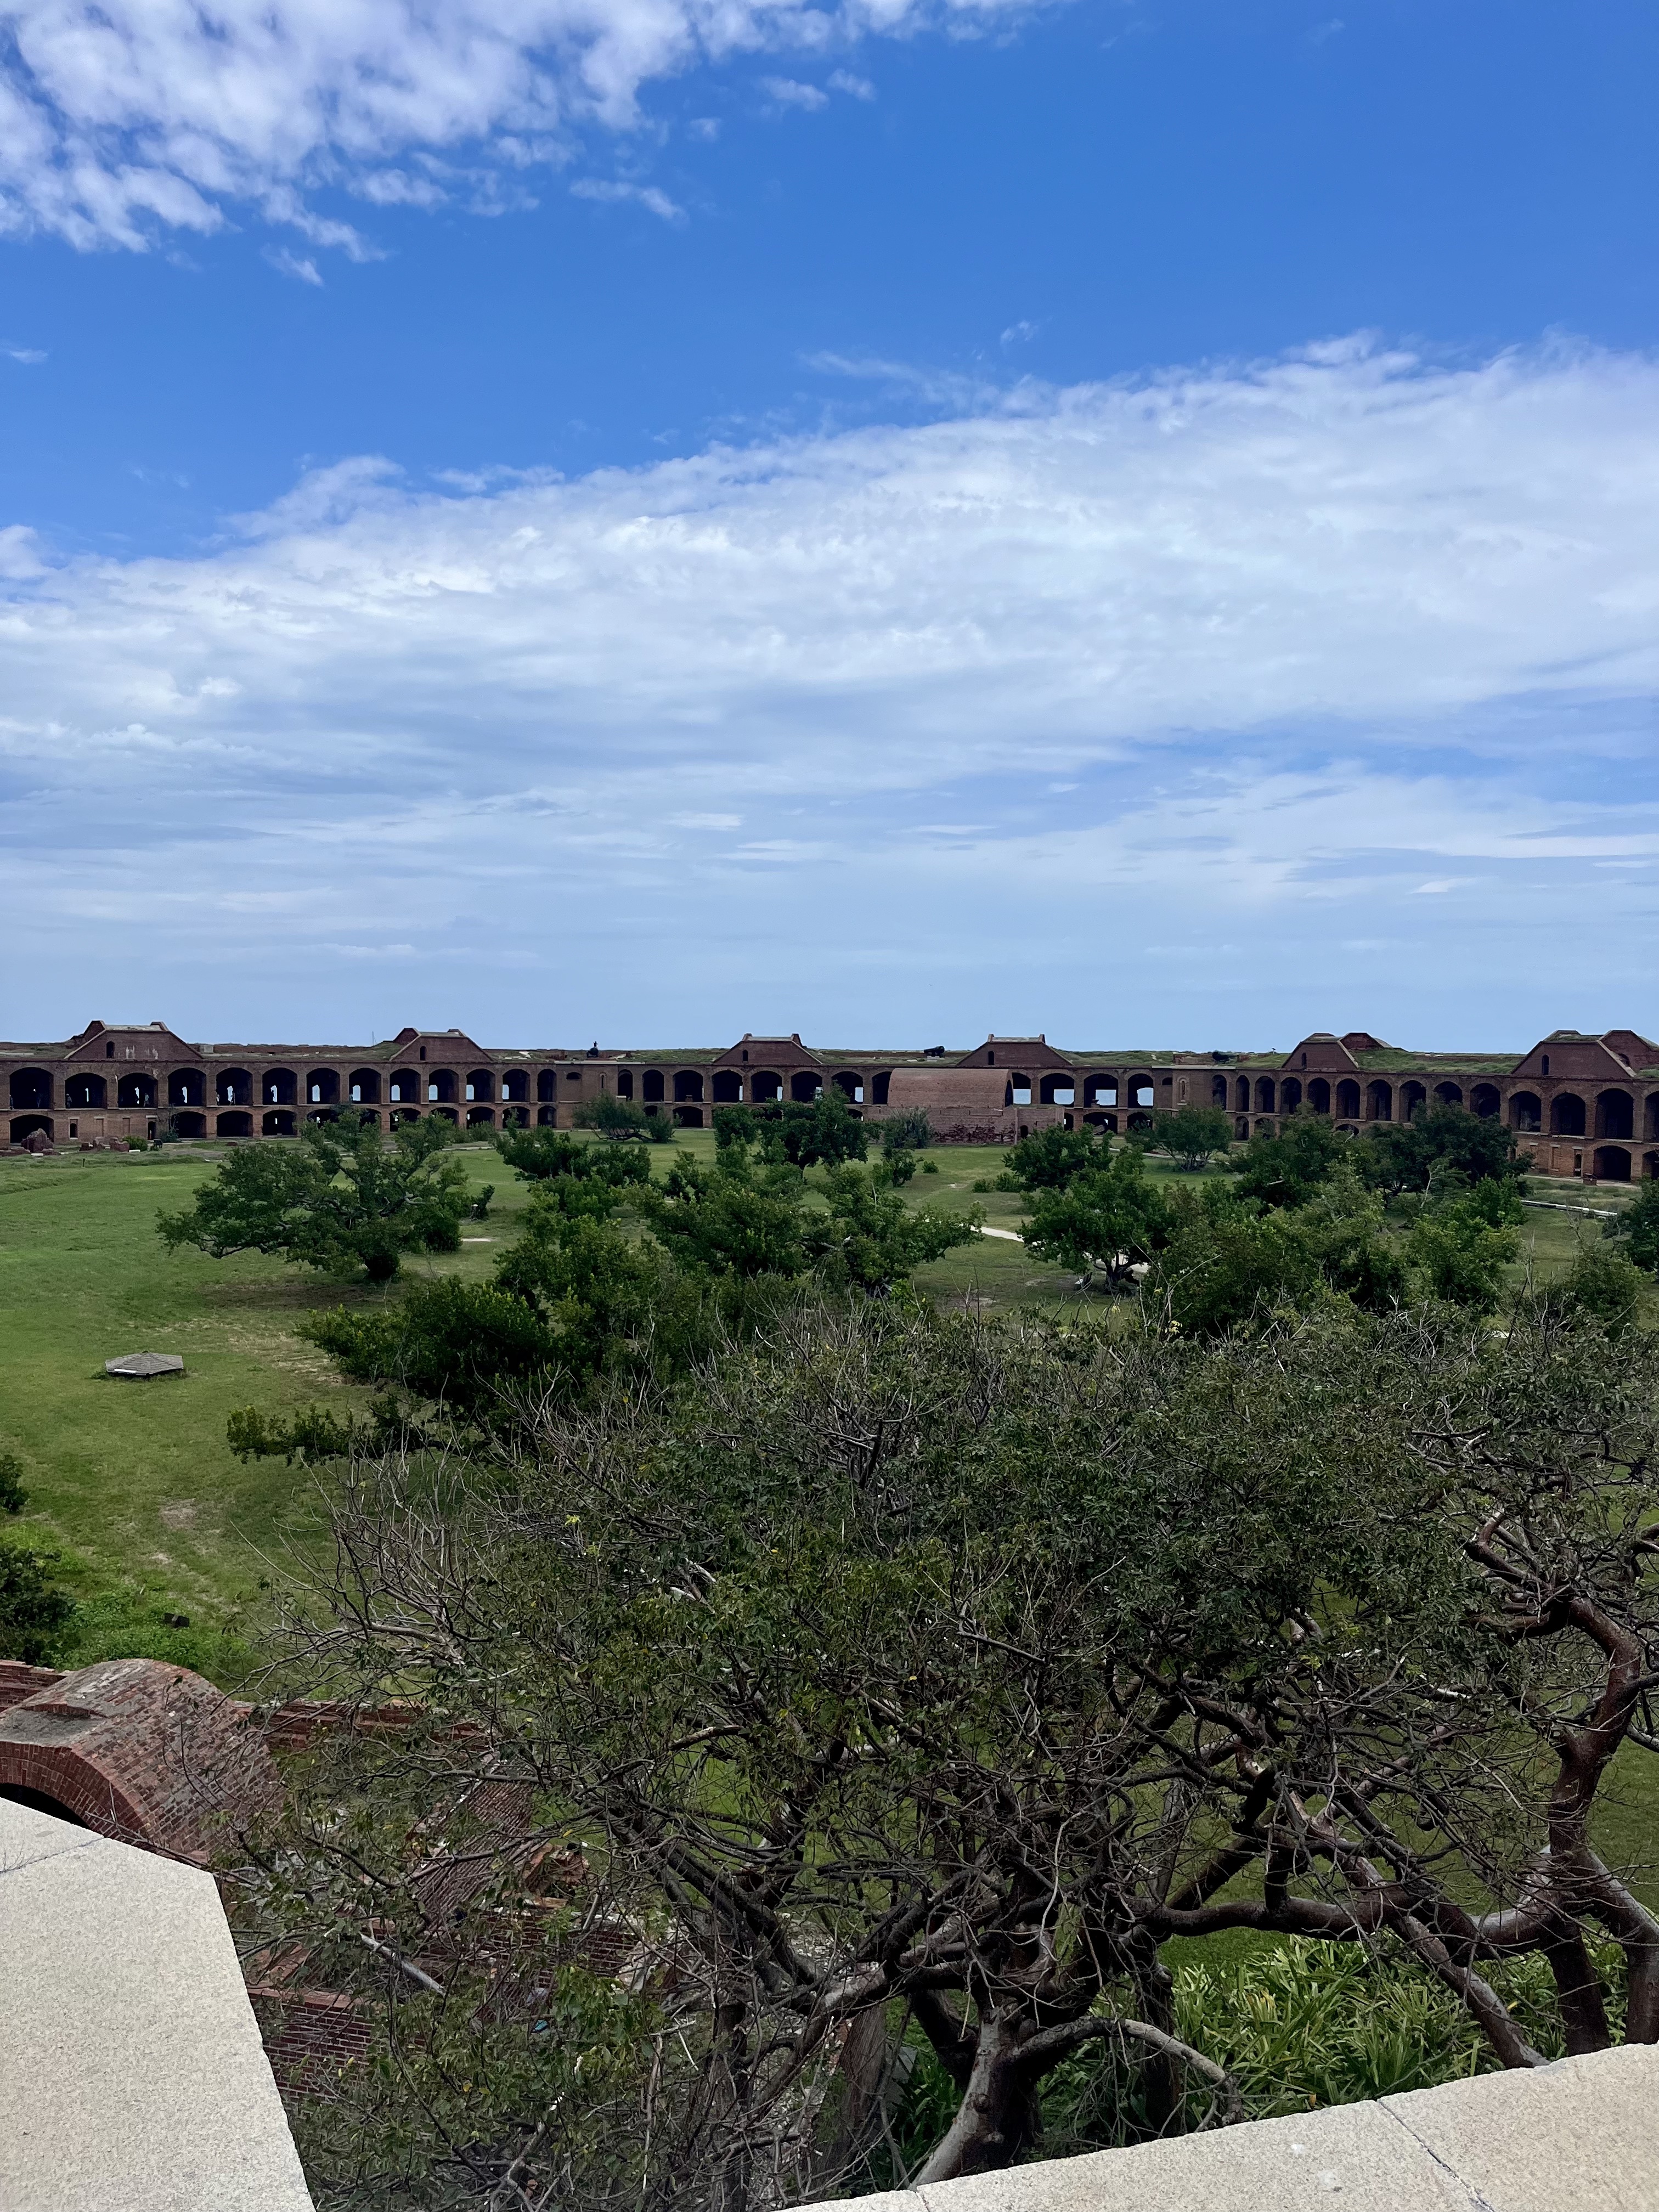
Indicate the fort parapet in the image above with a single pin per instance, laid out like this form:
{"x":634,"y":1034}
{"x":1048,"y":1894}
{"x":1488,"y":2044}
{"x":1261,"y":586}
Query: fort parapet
{"x":1583,"y":1105}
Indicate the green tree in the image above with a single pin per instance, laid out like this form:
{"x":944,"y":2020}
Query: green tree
{"x":13,"y":1496}
{"x":340,"y":1199}
{"x":738,"y":1218}
{"x":1050,"y":1158}
{"x":1463,"y":1244}
{"x":905,"y":1129}
{"x":1439,"y":1143}
{"x":1287,"y":1169}
{"x":1230,"y":1263}
{"x":1191,"y":1133}
{"x":1107,"y":1219}
{"x":610,"y":1116}
{"x":865,"y":1237}
{"x":551,"y":1155}
{"x":35,"y":1611}
{"x":1636,"y":1227}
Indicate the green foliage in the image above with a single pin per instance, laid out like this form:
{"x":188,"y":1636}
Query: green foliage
{"x":1606,"y":1286}
{"x":1463,"y":1244}
{"x":905,"y":1129}
{"x":1443,"y":1144}
{"x":550,"y":1155}
{"x":13,"y":1496}
{"x":339,"y":1200}
{"x":1287,"y":1169}
{"x":610,"y":1116}
{"x":462,"y":1343}
{"x":823,"y":1134}
{"x":312,"y":1433}
{"x":1636,"y":1227}
{"x":866,"y":1238}
{"x":1109,"y":1218}
{"x":1191,"y":1133}
{"x":35,"y":1613}
{"x":738,"y":1218}
{"x":1051,"y":1158}
{"x":479,"y":1209}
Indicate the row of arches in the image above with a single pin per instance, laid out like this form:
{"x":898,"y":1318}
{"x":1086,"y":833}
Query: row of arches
{"x":1607,"y":1114}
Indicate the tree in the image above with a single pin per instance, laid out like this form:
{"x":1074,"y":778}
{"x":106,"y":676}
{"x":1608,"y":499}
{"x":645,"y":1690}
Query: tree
{"x":611,"y":1116}
{"x":910,"y":1668}
{"x":13,"y":1496}
{"x":866,"y":1238}
{"x":1050,"y":1158}
{"x":1229,"y":1263}
{"x":822,"y":1134}
{"x":1191,"y":1133}
{"x":35,"y":1611}
{"x":1287,"y":1169}
{"x":905,"y":1129}
{"x":1442,"y":1145}
{"x":550,"y":1155}
{"x":1108,"y":1219}
{"x":340,"y":1199}
{"x":1463,"y":1244}
{"x":1636,"y":1227}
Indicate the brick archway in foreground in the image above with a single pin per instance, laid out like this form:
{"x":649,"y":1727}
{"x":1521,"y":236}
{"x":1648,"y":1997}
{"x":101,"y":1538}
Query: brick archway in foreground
{"x":136,"y":1750}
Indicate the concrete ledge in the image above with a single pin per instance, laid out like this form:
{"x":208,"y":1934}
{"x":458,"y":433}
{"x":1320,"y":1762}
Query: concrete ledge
{"x":1578,"y":2137}
{"x":132,"y":2074}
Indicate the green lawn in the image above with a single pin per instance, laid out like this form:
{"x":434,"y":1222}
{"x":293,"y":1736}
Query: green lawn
{"x":134,"y":1483}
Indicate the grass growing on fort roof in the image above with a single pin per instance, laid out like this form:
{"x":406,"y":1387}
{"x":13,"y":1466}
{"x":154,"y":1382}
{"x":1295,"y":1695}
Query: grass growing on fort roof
{"x":135,"y":1482}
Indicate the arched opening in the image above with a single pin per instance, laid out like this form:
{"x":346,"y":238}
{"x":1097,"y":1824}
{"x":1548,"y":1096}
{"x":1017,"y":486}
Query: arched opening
{"x":278,"y":1087}
{"x":367,"y":1118}
{"x":1241,"y":1126}
{"x":764,"y":1083}
{"x":727,"y":1087}
{"x":1289,"y":1094}
{"x":31,"y":1088}
{"x":1651,"y":1115}
{"x":30,"y":1125}
{"x":234,"y":1086}
{"x":85,"y":1091}
{"x":277,"y":1123}
{"x":515,"y":1117}
{"x":1379,"y":1100}
{"x":1347,"y":1099}
{"x":1449,"y":1094}
{"x":1100,"y":1091}
{"x":651,"y":1086}
{"x":405,"y":1086}
{"x":547,"y":1117}
{"x":1057,"y":1090}
{"x":480,"y":1117}
{"x":688,"y":1085}
{"x":851,"y":1086}
{"x":322,"y":1087}
{"x":1615,"y":1114}
{"x":1649,"y":1166}
{"x":1217,"y":1090}
{"x":1265,"y":1093}
{"x":36,"y":1800}
{"x":1412,"y":1096}
{"x":1567,"y":1115}
{"x":547,"y":1084}
{"x":805,"y":1086}
{"x":1611,"y":1165}
{"x":233,"y":1125}
{"x":879,"y":1087}
{"x":480,"y":1084}
{"x":1319,"y":1095}
{"x":190,"y":1124}
{"x":136,"y":1093}
{"x":1526,"y":1111}
{"x":440,"y":1083}
{"x":1483,"y":1100}
{"x":445,"y":1114}
{"x":1141,"y":1092}
{"x":688,"y":1117}
{"x":400,"y":1115}
{"x":1242,"y":1094}
{"x":1017,"y":1091}
{"x":187,"y":1086}
{"x":365,"y":1087}
{"x":515,"y":1085}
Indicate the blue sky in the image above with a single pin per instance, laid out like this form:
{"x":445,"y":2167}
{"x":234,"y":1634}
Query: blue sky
{"x":653,"y":520}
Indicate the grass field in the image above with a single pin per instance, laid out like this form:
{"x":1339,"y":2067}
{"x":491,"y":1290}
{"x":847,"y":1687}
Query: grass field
{"x":134,"y":1482}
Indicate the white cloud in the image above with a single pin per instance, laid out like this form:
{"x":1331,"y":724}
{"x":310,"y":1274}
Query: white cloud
{"x":1300,"y":638}
{"x":790,"y":93}
{"x":856,"y":87}
{"x":300,"y":266}
{"x":121,"y":119}
{"x":30,"y":356}
{"x":645,"y":196}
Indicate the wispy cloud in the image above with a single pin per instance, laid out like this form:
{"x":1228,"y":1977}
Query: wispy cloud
{"x":790,"y":93}
{"x":645,"y":196}
{"x":298,"y":265}
{"x":1294,"y":656}
{"x":855,"y":87}
{"x":30,"y":356}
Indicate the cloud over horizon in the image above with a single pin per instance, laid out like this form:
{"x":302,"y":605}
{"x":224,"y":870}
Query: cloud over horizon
{"x":1294,"y":641}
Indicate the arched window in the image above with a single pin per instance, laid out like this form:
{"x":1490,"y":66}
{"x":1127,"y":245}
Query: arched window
{"x":625,"y":1082}
{"x":1526,"y":1111}
{"x":1100,"y":1090}
{"x":1483,"y":1100}
{"x":322,"y":1087}
{"x":405,"y":1086}
{"x":1615,"y":1116}
{"x":515,"y":1085}
{"x":879,"y":1086}
{"x":1449,"y":1094}
{"x":1265,"y":1094}
{"x":278,"y":1087}
{"x":728,"y":1087}
{"x":233,"y":1125}
{"x":1380,"y":1102}
{"x":440,"y":1083}
{"x":1017,"y":1091}
{"x":805,"y":1086}
{"x":31,"y":1089}
{"x":136,"y":1093}
{"x":1057,"y":1090}
{"x":480,"y":1086}
{"x":1347,"y":1099}
{"x":1412,"y":1097}
{"x":1567,"y":1115}
{"x":85,"y":1091}
{"x":688,"y":1117}
{"x":365,"y":1087}
{"x":651,"y":1086}
{"x":480,"y":1117}
{"x":851,"y":1086}
{"x":187,"y":1086}
{"x":279,"y":1123}
{"x":1319,"y":1095}
{"x":234,"y":1086}
{"x":1611,"y":1165}
{"x":1242,"y":1094}
{"x":688,"y":1085}
{"x":764,"y":1083}
{"x":547,"y":1084}
{"x":1289,"y":1094}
